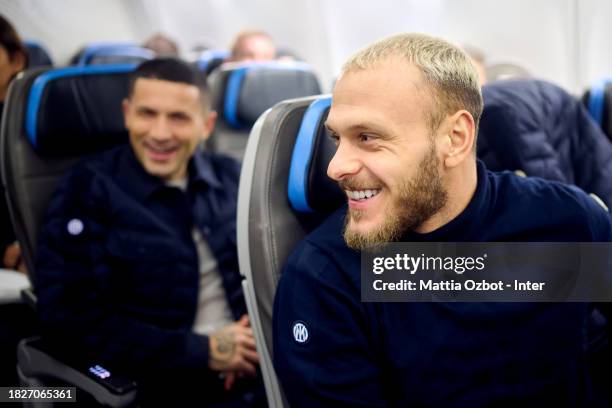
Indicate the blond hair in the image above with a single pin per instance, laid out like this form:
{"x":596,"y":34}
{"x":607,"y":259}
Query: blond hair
{"x":446,"y":69}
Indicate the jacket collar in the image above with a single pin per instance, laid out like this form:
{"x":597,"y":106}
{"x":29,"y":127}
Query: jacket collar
{"x":141,"y":184}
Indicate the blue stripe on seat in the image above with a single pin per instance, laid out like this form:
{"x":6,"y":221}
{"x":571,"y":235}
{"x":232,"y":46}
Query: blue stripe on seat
{"x":302,"y":154}
{"x":40,"y":83}
{"x":597,"y":96}
{"x":232,"y":96}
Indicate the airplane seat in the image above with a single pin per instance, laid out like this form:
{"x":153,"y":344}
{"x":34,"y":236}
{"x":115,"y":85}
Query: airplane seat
{"x":241,"y":92}
{"x":284,"y":194}
{"x":597,"y":100}
{"x":540,"y":129}
{"x":102,"y":53}
{"x":38,"y":56}
{"x":52,"y":119}
{"x":210,"y":60}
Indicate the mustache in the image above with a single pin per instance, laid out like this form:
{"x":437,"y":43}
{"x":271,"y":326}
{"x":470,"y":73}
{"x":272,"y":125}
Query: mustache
{"x":354,"y":184}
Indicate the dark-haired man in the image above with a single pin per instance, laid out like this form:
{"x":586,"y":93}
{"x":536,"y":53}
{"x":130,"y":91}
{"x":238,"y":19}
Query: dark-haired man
{"x":404,"y":116}
{"x":137,"y":264}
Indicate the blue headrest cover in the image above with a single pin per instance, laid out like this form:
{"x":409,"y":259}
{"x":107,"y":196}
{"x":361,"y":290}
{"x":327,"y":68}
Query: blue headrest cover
{"x":596,"y":99}
{"x":77,"y":109}
{"x":252,"y":88}
{"x":208,"y":56}
{"x":37,"y":54}
{"x":114,"y":53}
{"x":599,"y":104}
{"x":309,"y":189}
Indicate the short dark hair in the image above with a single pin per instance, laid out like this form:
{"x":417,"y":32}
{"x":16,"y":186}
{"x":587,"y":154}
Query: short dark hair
{"x":173,"y":70}
{"x":9,"y":39}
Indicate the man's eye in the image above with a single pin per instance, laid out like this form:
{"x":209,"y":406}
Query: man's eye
{"x":179,"y":118}
{"x":364,"y":137}
{"x":145,"y":113}
{"x":335,"y":138}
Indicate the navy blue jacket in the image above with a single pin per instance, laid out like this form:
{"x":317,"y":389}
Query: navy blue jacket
{"x":117,"y":269}
{"x":437,"y":354}
{"x":537,"y":127}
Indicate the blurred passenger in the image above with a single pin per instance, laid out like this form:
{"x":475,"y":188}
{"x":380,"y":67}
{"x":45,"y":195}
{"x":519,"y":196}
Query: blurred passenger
{"x":137,"y":266}
{"x":479,"y":61}
{"x":162,"y":46}
{"x":13,"y":59}
{"x":404,"y":116}
{"x":252,"y":45}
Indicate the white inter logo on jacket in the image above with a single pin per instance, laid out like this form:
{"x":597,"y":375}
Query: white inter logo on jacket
{"x":300,"y":332}
{"x":75,"y":226}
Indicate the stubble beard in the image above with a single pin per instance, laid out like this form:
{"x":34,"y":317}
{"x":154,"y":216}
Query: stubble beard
{"x":417,"y":200}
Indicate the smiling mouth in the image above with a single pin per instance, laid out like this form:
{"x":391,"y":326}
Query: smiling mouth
{"x":161,"y":150}
{"x":362,"y":195}
{"x":160,"y":153}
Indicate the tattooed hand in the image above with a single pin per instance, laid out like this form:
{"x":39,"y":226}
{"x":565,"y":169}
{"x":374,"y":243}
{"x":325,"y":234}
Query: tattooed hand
{"x":232,"y":348}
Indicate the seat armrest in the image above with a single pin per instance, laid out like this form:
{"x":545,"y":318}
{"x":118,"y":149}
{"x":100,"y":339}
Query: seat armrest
{"x":11,"y":285}
{"x":35,"y":361}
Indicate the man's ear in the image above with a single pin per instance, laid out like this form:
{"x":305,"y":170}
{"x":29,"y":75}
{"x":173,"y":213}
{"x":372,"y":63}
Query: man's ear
{"x":461,"y":138}
{"x":17,"y":63}
{"x":209,"y":124}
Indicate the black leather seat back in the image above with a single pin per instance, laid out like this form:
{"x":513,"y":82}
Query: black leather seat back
{"x":242,"y":92}
{"x":38,"y":56}
{"x":52,"y":119}
{"x":284,"y":194}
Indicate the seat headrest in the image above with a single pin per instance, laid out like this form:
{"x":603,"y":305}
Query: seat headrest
{"x":38,"y":56}
{"x":77,"y":109}
{"x":597,"y":100}
{"x":113,"y":53}
{"x":211,"y":59}
{"x":310,"y":190}
{"x":252,"y":88}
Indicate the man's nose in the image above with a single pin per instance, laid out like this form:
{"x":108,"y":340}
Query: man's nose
{"x":161,"y":129}
{"x":345,"y":163}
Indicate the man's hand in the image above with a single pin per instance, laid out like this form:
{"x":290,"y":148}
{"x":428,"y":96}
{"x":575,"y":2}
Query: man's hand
{"x":232,"y":349}
{"x":12,"y":258}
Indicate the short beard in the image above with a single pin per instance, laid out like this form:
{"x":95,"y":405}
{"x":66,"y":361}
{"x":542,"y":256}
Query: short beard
{"x":417,"y":201}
